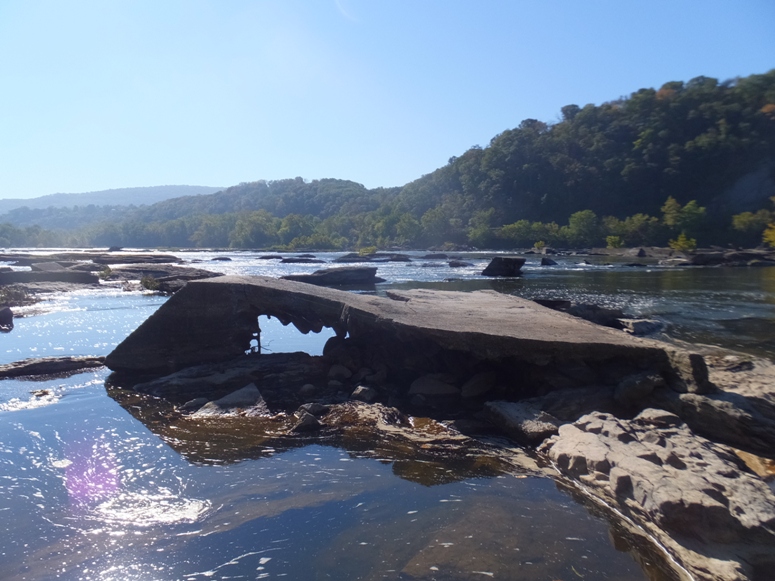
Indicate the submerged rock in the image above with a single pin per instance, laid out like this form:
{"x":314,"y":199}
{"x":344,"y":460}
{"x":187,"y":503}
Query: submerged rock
{"x":50,"y":366}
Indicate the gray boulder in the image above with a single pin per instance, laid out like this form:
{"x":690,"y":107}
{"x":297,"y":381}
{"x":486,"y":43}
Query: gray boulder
{"x":343,"y":276}
{"x":504,"y":266}
{"x":365,"y":394}
{"x":521,"y":421}
{"x":432,"y":385}
{"x":243,"y":402}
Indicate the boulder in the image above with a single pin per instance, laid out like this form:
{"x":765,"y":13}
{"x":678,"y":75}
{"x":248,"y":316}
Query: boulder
{"x":523,"y":422}
{"x":6,"y":319}
{"x":343,"y":276}
{"x":307,"y":423}
{"x":641,"y":327}
{"x":316,"y":409}
{"x":696,"y":497}
{"x":247,"y":401}
{"x":339,"y":372}
{"x":432,"y":385}
{"x":479,"y":384}
{"x":504,"y":266}
{"x":365,"y":394}
{"x":459,"y":264}
{"x":633,"y":390}
{"x":545,"y":261}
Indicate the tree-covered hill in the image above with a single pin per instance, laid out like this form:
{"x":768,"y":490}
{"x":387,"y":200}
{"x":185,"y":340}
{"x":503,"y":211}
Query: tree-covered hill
{"x":692,"y":158}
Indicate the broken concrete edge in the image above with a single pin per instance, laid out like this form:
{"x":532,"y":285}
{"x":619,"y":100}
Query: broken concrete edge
{"x":50,"y":366}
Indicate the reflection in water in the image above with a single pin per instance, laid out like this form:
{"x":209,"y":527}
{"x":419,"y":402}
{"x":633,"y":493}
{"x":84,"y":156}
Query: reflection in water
{"x":309,"y":512}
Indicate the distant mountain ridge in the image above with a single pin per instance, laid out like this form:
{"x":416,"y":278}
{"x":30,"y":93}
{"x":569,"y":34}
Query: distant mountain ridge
{"x":115,"y":197}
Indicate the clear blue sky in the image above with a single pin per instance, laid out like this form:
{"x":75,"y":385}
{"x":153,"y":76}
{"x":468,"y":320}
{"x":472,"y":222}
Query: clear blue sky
{"x":112,"y":93}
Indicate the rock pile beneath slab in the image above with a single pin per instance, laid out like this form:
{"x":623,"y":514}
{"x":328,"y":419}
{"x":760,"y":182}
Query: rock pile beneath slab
{"x":695,"y":496}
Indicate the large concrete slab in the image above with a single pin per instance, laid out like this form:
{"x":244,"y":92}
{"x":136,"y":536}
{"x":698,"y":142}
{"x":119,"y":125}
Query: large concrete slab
{"x":214,"y":320}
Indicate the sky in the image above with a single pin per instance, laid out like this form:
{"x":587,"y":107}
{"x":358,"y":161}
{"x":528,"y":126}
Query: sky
{"x":100,"y":94}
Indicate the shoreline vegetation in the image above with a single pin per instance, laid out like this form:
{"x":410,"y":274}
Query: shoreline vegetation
{"x":689,"y":164}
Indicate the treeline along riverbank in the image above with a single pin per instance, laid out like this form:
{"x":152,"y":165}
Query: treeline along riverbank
{"x":695,"y":158}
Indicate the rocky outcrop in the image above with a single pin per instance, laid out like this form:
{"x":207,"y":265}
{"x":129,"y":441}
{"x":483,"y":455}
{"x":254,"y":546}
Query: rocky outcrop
{"x":50,"y":366}
{"x":102,"y":258}
{"x":66,"y":276}
{"x":374,"y":257}
{"x":732,"y":258}
{"x":347,"y":276}
{"x":504,"y":266}
{"x":694,"y":496}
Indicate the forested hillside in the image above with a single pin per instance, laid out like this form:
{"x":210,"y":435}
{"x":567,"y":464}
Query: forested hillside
{"x":644,"y":169}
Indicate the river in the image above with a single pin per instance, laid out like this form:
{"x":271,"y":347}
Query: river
{"x":89,"y":492}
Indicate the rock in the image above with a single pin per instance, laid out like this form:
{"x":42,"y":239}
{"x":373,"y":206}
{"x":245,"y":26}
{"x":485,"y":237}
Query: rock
{"x":46,"y":267}
{"x":299,"y":260}
{"x":339,"y":372}
{"x":435,"y":256}
{"x":113,"y":258}
{"x":307,"y":389}
{"x":271,"y":257}
{"x":641,"y":327}
{"x":504,"y":266}
{"x":246,"y":401}
{"x":50,"y":366}
{"x":6,"y":319}
{"x":459,"y":263}
{"x":430,"y":385}
{"x":418,"y":401}
{"x":68,"y":276}
{"x":680,"y":487}
{"x":598,"y":315}
{"x":193,"y":404}
{"x":724,"y":417}
{"x":365,"y":394}
{"x":375,"y":257}
{"x":221,"y":259}
{"x":479,"y":384}
{"x":307,"y":423}
{"x":548,"y":261}
{"x":637,"y":252}
{"x":636,"y":388}
{"x":316,"y":409}
{"x":568,"y":405}
{"x":555,"y":304}
{"x":335,"y":384}
{"x":276,"y":373}
{"x":522,"y":422}
{"x":343,"y":276}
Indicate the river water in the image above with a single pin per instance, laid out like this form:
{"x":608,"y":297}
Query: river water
{"x":87,"y":491}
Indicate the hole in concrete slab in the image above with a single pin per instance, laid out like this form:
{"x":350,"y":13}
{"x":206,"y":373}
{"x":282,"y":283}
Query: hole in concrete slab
{"x":274,"y":337}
